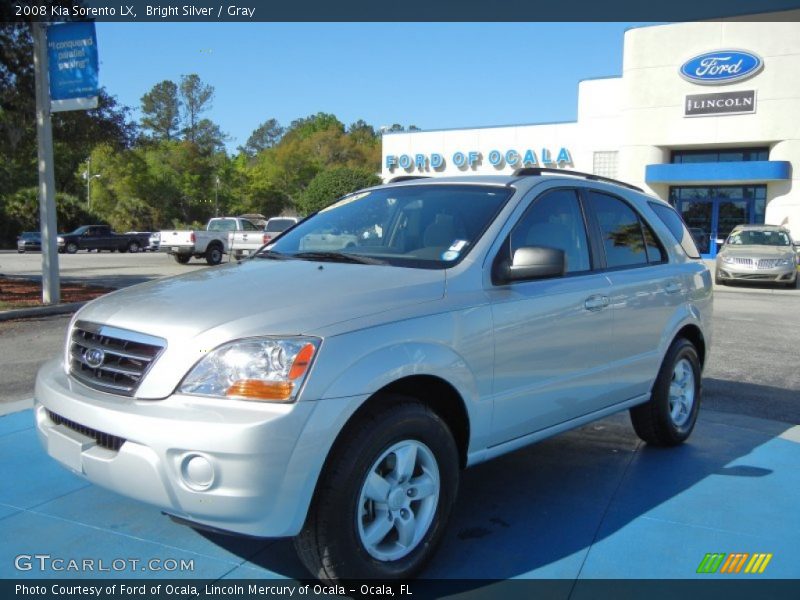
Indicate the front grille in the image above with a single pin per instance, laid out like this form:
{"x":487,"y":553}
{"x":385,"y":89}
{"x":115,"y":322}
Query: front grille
{"x":106,"y":440}
{"x":742,"y":261}
{"x":768,"y":263}
{"x":110,"y":359}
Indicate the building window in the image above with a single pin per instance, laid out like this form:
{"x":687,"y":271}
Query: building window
{"x":729,"y":192}
{"x":605,"y":164}
{"x":722,"y":155}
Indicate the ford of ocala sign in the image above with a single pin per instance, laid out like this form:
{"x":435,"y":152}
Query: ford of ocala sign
{"x":721,"y":66}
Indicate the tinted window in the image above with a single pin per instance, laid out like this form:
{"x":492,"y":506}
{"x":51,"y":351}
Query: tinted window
{"x":677,"y":228}
{"x":655,"y":253}
{"x":248,"y":226}
{"x":277,"y":225}
{"x":555,"y":221}
{"x":621,"y":231}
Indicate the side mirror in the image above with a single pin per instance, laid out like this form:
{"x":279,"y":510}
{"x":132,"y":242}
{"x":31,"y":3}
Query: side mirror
{"x":535,"y":262}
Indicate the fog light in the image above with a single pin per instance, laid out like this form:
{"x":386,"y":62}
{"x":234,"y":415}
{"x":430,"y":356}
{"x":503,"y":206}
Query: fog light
{"x":197,"y":472}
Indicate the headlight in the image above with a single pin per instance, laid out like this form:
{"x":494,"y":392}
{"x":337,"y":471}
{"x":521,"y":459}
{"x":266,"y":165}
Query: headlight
{"x":262,"y":369}
{"x":60,"y":240}
{"x":727,"y":259}
{"x":785,"y":262}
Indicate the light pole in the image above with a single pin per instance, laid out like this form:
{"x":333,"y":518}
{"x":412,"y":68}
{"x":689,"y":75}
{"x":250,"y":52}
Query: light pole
{"x":216,"y":196}
{"x":88,"y":176}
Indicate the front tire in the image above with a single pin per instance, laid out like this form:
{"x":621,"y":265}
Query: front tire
{"x":383,"y":500}
{"x":71,"y":248}
{"x":669,"y":417}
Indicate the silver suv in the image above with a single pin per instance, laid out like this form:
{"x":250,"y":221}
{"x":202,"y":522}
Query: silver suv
{"x":335,"y":395}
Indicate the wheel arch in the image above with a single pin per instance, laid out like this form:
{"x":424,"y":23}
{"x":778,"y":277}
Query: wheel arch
{"x":695,"y":335}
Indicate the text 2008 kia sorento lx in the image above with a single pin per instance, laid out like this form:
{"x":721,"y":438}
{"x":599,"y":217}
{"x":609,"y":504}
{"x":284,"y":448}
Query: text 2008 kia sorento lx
{"x":332,"y":387}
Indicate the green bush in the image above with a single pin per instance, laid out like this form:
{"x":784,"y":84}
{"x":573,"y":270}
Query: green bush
{"x":331,"y":184}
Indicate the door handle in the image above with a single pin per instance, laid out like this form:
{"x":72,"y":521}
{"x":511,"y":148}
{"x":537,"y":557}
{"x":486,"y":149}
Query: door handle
{"x":673,"y":287}
{"x":596,"y":302}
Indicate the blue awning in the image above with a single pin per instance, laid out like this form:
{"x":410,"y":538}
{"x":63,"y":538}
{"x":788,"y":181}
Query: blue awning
{"x":755,"y":171}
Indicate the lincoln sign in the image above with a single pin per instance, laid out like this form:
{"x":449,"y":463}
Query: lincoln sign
{"x":723,"y":103}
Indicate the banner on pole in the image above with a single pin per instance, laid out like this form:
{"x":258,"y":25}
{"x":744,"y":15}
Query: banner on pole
{"x":72,"y":53}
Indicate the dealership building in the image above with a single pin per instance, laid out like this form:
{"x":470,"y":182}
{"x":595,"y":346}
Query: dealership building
{"x":705,"y":115}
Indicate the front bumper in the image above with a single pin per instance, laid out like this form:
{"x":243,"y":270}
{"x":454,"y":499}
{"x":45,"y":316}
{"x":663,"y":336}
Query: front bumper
{"x":733,"y":272}
{"x":225,"y":464}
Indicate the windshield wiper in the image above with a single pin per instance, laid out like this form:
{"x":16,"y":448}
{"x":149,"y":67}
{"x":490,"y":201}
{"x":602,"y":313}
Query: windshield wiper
{"x":339,"y":257}
{"x":272,"y":254}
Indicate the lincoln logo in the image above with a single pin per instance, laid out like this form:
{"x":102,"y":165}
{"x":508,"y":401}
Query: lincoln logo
{"x":94,"y":357}
{"x":721,"y":66}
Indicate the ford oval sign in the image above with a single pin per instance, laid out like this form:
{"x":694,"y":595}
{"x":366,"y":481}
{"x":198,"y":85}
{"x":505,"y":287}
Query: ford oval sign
{"x":721,"y":66}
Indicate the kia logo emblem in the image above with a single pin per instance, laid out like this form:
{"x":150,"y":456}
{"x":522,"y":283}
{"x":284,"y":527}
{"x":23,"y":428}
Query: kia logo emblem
{"x":94,"y":357}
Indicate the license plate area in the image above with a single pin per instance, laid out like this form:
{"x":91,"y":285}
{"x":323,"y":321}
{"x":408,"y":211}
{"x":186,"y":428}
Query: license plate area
{"x":67,"y":446}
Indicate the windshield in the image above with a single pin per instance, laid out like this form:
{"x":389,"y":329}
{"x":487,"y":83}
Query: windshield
{"x":753,"y":237}
{"x":278,"y":225}
{"x":222,"y":225}
{"x":428,"y":226}
{"x":30,"y":235}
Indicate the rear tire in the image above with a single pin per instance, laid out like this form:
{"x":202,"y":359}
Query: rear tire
{"x":181,"y":259}
{"x":384,"y":497}
{"x":669,"y":417}
{"x":214,"y":255}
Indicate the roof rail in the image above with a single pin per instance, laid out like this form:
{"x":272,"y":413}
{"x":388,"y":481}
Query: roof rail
{"x":534,"y":171}
{"x":400,"y":178}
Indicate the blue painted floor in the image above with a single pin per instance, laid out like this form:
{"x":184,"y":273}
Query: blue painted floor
{"x":593,"y":503}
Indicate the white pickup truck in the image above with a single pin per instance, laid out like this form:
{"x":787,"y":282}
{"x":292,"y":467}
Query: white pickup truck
{"x":244,"y":243}
{"x":210,"y":244}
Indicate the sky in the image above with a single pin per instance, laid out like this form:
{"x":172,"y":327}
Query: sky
{"x":432,"y":75}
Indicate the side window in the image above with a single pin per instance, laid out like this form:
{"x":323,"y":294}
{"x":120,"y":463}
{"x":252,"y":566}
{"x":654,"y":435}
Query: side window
{"x":248,"y":226}
{"x":677,"y":228}
{"x":621,"y":231}
{"x":555,"y":220}
{"x":655,"y":252}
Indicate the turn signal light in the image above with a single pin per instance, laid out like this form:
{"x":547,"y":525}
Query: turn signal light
{"x":301,"y":361}
{"x":256,"y":389}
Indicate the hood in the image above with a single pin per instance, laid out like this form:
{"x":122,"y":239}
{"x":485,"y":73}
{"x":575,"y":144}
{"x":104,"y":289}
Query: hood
{"x":264,"y":297}
{"x":198,"y":311}
{"x":760,"y":251}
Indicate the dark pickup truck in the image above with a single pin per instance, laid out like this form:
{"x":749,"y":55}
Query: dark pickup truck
{"x":100,"y":237}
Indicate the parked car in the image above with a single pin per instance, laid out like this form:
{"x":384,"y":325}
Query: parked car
{"x":246,"y":242}
{"x":757,"y":254}
{"x":211,"y":244}
{"x":335,"y":395}
{"x":101,"y":237}
{"x":277,"y":225}
{"x":154,"y":242}
{"x":28,"y":241}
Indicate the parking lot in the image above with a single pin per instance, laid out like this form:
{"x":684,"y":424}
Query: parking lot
{"x":592,"y":503}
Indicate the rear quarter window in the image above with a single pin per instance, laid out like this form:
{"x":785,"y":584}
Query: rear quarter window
{"x":676,"y":227}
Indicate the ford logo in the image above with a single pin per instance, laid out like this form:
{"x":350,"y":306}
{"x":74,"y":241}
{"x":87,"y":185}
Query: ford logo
{"x":94,"y":357}
{"x":721,"y":66}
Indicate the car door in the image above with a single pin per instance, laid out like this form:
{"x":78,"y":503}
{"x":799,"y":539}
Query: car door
{"x":550,"y":334}
{"x":646,"y":291}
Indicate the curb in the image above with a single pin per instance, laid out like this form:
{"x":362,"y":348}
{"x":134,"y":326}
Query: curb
{"x":40,"y":311}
